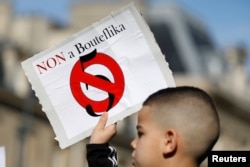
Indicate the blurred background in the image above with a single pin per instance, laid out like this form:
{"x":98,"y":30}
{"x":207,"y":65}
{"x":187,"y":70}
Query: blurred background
{"x":206,"y":43}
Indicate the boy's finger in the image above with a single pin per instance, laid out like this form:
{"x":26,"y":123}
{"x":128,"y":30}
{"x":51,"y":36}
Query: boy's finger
{"x":103,"y":120}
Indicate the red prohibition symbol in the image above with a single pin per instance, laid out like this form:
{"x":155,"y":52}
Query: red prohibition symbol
{"x":79,"y":75}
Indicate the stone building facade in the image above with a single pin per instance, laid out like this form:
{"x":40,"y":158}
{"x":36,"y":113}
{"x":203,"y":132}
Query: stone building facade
{"x":24,"y":129}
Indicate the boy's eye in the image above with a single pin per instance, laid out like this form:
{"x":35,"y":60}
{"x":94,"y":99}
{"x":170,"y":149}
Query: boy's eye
{"x":139,"y":134}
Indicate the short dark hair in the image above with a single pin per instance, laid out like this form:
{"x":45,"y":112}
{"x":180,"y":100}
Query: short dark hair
{"x":171,"y":93}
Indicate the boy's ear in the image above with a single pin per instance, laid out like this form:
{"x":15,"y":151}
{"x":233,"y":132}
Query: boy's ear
{"x":170,"y":142}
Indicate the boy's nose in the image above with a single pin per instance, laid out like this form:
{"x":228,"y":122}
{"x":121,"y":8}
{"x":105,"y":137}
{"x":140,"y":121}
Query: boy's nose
{"x":133,"y":143}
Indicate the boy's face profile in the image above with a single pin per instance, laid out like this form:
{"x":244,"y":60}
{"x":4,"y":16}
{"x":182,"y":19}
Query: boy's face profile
{"x":148,"y":145}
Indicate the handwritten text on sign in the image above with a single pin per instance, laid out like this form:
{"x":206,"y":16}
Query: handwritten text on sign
{"x":79,"y":48}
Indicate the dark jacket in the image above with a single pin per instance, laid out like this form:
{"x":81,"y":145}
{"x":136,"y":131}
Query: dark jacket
{"x":101,"y":155}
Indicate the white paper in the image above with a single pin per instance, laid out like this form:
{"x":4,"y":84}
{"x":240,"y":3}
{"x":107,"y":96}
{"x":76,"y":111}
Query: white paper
{"x":128,"y":65}
{"x":2,"y":157}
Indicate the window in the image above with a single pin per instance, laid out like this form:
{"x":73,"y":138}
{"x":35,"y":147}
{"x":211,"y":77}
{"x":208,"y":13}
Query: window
{"x":200,"y":38}
{"x":165,"y":41}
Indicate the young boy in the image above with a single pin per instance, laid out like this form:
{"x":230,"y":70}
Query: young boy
{"x":176,"y":128}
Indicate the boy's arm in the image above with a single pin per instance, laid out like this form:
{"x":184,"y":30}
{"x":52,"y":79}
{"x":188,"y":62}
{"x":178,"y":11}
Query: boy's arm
{"x":99,"y":153}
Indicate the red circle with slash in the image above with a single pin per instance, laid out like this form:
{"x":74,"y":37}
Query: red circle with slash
{"x":78,"y":75}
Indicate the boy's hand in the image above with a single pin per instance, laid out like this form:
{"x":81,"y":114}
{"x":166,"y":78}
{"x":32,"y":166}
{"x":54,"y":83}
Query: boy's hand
{"x":102,"y":134}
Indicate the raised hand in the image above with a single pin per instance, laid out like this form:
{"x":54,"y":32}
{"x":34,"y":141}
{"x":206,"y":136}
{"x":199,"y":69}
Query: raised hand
{"x":102,"y":134}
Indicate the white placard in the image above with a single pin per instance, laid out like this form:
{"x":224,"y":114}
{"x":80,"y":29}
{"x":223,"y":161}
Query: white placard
{"x":2,"y":157}
{"x":112,"y":65}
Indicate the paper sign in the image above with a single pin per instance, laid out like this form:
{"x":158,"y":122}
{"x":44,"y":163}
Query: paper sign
{"x":2,"y":157}
{"x":110,"y":66}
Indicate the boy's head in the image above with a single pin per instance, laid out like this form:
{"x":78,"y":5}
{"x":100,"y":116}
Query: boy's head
{"x":177,"y":123}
